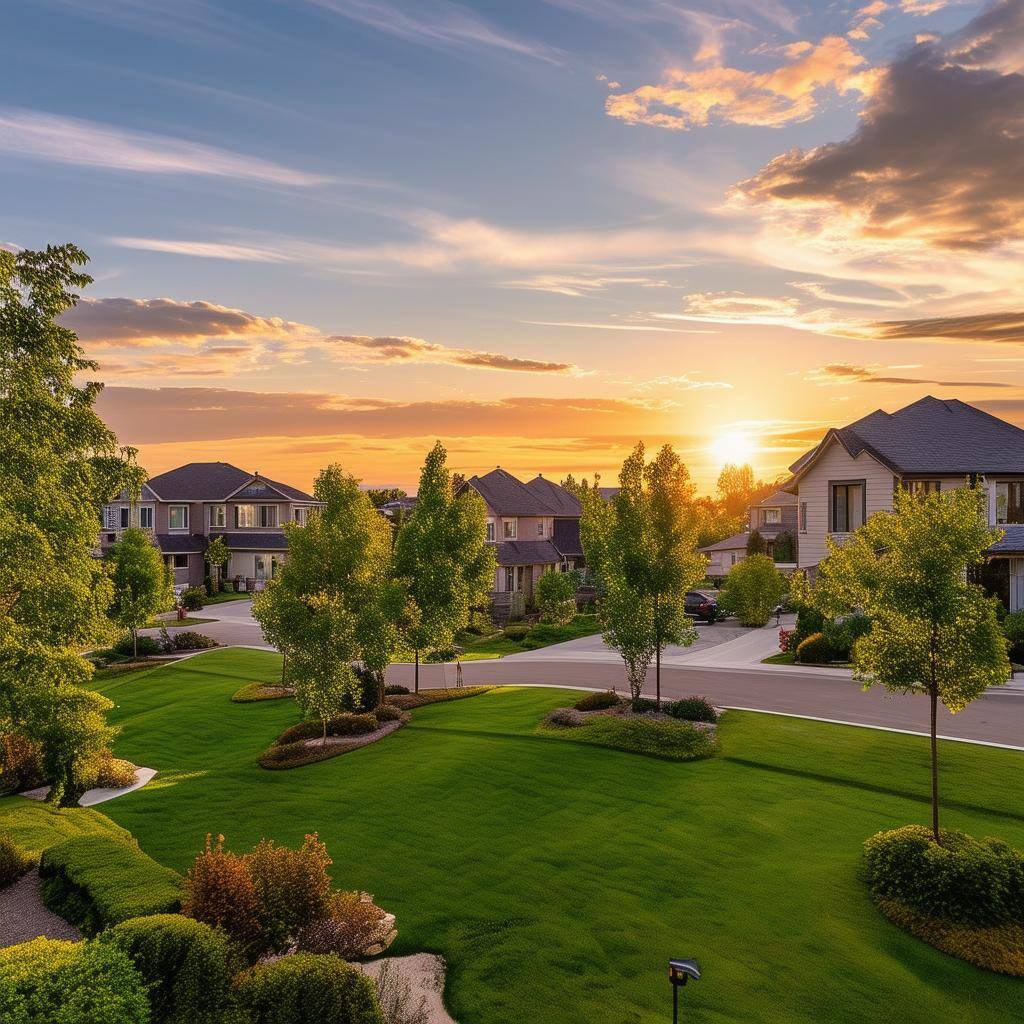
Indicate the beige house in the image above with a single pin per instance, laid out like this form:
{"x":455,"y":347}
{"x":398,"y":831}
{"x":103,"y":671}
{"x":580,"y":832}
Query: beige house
{"x":187,"y":507}
{"x":771,"y":517}
{"x":932,"y":445}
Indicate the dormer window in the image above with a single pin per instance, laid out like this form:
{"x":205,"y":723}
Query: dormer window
{"x":771,"y":516}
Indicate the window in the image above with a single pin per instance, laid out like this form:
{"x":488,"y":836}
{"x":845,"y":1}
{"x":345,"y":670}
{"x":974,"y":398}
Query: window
{"x":124,"y":520}
{"x":301,"y":515}
{"x":732,"y":558}
{"x":146,"y":517}
{"x":771,"y":515}
{"x":511,"y":528}
{"x":179,"y":561}
{"x":847,"y":507}
{"x":803,"y":516}
{"x":268,"y":515}
{"x":510,"y":580}
{"x":490,"y":529}
{"x":177,"y":517}
{"x":245,"y":515}
{"x":1010,"y":501}
{"x":540,"y":528}
{"x":218,"y":516}
{"x":921,"y":486}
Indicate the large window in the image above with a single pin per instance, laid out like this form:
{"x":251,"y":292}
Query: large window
{"x":245,"y":515}
{"x":511,"y":528}
{"x":847,"y":507}
{"x":301,"y":515}
{"x":177,"y":517}
{"x":146,"y":517}
{"x":125,"y":521}
{"x":218,"y":516}
{"x":268,"y":516}
{"x":921,"y":486}
{"x":1010,"y":501}
{"x":179,"y":561}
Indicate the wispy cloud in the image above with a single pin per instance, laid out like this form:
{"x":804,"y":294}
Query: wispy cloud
{"x":846,"y":373}
{"x":441,"y":25}
{"x":69,"y":140}
{"x":625,"y":326}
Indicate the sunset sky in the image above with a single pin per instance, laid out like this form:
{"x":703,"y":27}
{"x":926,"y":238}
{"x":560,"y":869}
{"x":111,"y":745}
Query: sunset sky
{"x":335,"y":230}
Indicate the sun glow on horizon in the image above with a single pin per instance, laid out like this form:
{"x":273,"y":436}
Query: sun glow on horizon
{"x":735,"y":446}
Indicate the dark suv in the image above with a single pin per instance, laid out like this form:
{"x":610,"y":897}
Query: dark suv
{"x":701,"y":606}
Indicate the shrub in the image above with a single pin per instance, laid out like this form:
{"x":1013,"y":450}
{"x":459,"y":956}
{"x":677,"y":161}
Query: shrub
{"x":784,"y":548}
{"x":369,"y":687}
{"x":99,"y":880}
{"x":815,"y":650}
{"x":187,"y":964}
{"x":671,"y":741}
{"x":556,"y":597}
{"x":565,"y":718}
{"x":14,"y":861}
{"x":346,"y":724}
{"x":516,"y":631}
{"x":187,"y":640}
{"x":692,"y":709}
{"x":480,"y":623}
{"x":193,"y":599}
{"x":253,"y":692}
{"x":965,"y":880}
{"x":808,"y":620}
{"x":292,"y":887}
{"x":114,"y":772}
{"x":389,"y":713}
{"x":408,"y":701}
{"x":220,"y":892}
{"x":148,"y":646}
{"x":786,"y":638}
{"x":597,"y":701}
{"x":1013,"y":628}
{"x":297,"y":755}
{"x":354,"y":928}
{"x":392,"y":689}
{"x":20,"y":766}
{"x":308,"y":987}
{"x":752,"y":590}
{"x":843,"y":633}
{"x":208,"y":586}
{"x":71,"y":983}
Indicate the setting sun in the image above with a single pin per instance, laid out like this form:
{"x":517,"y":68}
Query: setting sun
{"x":735,"y":447}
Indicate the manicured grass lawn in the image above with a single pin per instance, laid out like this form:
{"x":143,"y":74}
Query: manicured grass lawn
{"x":558,"y":878}
{"x":170,"y":621}
{"x":227,"y":595}
{"x":478,"y":648}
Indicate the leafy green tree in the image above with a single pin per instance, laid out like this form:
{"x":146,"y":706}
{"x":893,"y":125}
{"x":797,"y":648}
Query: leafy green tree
{"x":784,"y":548}
{"x":556,"y":596}
{"x":382,"y":495}
{"x":752,"y":590}
{"x":756,"y":544}
{"x":58,"y":465}
{"x":217,"y":554}
{"x":442,"y":554}
{"x":932,"y":631}
{"x":143,"y":584}
{"x":736,"y":488}
{"x":642,"y":543}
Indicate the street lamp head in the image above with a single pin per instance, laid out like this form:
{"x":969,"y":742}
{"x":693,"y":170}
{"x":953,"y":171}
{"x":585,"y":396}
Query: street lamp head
{"x":680,"y":971}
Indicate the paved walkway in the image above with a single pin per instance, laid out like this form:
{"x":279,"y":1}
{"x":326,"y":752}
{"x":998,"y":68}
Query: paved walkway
{"x":23,"y":916}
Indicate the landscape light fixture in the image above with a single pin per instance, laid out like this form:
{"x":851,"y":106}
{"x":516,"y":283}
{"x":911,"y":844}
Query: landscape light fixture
{"x":679,"y":973}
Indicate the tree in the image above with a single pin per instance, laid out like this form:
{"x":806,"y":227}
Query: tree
{"x":784,"y":548}
{"x":932,"y":631}
{"x":752,"y":590}
{"x":556,"y":596}
{"x":735,"y":488}
{"x":442,"y":554}
{"x":642,"y":543}
{"x":58,"y":465}
{"x":382,"y":495}
{"x":217,"y":555}
{"x":756,"y":544}
{"x":143,"y":585}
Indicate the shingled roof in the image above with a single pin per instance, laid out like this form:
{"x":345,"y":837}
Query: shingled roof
{"x":561,"y":502}
{"x":508,"y":496}
{"x":931,"y":436}
{"x":527,"y":552}
{"x":212,"y":481}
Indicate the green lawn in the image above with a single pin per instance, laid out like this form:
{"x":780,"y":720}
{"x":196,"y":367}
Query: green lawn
{"x":558,"y":878}
{"x":171,"y":621}
{"x":479,"y":648}
{"x":227,"y":595}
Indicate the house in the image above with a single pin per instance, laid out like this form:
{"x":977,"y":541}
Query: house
{"x":187,"y":507}
{"x":771,"y":517}
{"x":931,"y":445}
{"x":535,"y":528}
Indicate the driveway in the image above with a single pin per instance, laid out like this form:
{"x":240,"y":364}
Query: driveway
{"x":234,"y":625}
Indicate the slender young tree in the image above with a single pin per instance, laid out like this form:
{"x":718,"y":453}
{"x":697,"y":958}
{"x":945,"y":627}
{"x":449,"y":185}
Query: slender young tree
{"x":442,"y":554}
{"x":217,"y":554}
{"x":58,"y":465}
{"x":143,"y":584}
{"x":932,"y":631}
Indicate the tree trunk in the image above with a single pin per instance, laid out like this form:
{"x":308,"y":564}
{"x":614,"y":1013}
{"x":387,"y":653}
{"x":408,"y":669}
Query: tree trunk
{"x":323,"y":739}
{"x":284,"y":669}
{"x":657,"y":675}
{"x":934,"y":694}
{"x":416,"y":673}
{"x":135,"y":642}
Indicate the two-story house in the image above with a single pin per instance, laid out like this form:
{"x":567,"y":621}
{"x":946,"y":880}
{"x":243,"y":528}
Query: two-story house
{"x":535,"y":528}
{"x":774,"y":515}
{"x":185,"y":508}
{"x":932,"y":445}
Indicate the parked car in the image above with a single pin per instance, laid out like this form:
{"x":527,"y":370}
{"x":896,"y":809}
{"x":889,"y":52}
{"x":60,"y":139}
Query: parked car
{"x":701,"y":606}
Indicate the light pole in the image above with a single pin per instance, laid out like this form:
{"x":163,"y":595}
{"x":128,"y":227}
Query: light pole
{"x":679,"y":972}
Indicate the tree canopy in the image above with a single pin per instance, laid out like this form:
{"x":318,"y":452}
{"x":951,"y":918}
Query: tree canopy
{"x":142,"y":583}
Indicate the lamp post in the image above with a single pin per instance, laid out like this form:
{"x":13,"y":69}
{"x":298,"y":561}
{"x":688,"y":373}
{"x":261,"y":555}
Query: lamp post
{"x":679,"y":972}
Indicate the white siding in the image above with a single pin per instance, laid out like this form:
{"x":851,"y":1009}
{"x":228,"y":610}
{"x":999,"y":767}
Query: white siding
{"x":836,"y":464}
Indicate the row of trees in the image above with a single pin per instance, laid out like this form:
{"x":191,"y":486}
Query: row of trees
{"x":351,"y":592}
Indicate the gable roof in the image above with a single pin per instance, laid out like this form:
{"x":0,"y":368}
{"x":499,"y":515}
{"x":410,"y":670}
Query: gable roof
{"x":738,"y":541}
{"x":212,"y":481}
{"x":930,"y":436}
{"x":561,"y":502}
{"x":776,"y":499}
{"x":508,"y":496}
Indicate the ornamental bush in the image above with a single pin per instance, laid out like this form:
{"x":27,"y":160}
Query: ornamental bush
{"x":193,"y":599}
{"x":308,"y":988}
{"x":393,"y":688}
{"x":843,"y":633}
{"x":14,"y":861}
{"x":114,"y":772}
{"x":20,"y":766}
{"x":187,"y":640}
{"x":556,"y":597}
{"x":354,"y":928}
{"x":597,"y":701}
{"x":50,"y":980}
{"x":752,"y":590}
{"x":389,"y":713}
{"x":516,"y":631}
{"x":692,"y":709}
{"x":1013,"y":628}
{"x":187,"y":964}
{"x":815,"y":650}
{"x":808,"y":621}
{"x":148,"y":646}
{"x":346,"y":724}
{"x":965,"y":880}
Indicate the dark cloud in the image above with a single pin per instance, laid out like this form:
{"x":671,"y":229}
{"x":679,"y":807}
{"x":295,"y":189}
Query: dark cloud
{"x":989,"y":328}
{"x":939,"y":151}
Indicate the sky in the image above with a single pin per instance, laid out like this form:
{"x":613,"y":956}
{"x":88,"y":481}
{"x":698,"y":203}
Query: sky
{"x":337,"y":230}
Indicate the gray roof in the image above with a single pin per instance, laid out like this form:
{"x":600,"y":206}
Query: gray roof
{"x":527,"y":552}
{"x":561,"y":502}
{"x":931,"y":436}
{"x":778,"y":498}
{"x":608,"y":492}
{"x":1011,"y":543}
{"x":180,"y":543}
{"x":736,"y":541}
{"x":253,"y":541}
{"x":212,"y":481}
{"x":566,"y":537}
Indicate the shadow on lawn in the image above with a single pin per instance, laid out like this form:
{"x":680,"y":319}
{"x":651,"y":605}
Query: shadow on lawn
{"x":871,"y":787}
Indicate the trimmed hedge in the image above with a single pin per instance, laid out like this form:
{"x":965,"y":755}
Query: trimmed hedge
{"x":14,"y":861}
{"x":408,"y":701}
{"x":341,"y":725}
{"x":187,"y":964}
{"x":669,"y":741}
{"x":394,"y":688}
{"x":692,"y":709}
{"x":308,"y":987}
{"x":50,"y":980}
{"x":96,"y":881}
{"x":815,"y":650}
{"x":598,"y":701}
